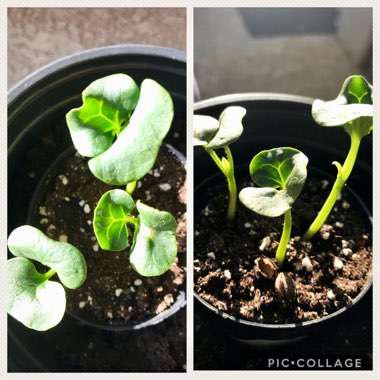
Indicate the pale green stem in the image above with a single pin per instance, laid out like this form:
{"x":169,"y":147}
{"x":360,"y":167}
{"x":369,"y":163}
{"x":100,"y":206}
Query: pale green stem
{"x":130,"y":188}
{"x":286,"y":230}
{"x":217,"y":160}
{"x":49,"y":273}
{"x":131,"y":219}
{"x":229,"y":174}
{"x":231,"y":211}
{"x":341,"y":179}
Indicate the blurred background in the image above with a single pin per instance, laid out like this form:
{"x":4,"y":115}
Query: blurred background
{"x":38,"y":36}
{"x":302,"y":51}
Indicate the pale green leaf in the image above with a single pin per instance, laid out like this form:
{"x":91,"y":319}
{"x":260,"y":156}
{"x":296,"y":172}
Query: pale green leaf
{"x":154,"y":247}
{"x":134,"y":153}
{"x":282,"y":173}
{"x":351,"y":109}
{"x":230,"y":127}
{"x":205,"y":128}
{"x":33,"y":300}
{"x":69,"y":263}
{"x":107,"y":105}
{"x":265,"y":200}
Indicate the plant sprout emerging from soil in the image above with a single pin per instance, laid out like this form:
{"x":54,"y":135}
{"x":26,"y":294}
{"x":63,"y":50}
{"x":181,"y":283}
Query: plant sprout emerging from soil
{"x":353,"y":111}
{"x":219,"y":134}
{"x":33,"y":299}
{"x":122,"y":129}
{"x":282,"y":173}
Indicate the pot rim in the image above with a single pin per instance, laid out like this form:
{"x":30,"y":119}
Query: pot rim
{"x":89,"y":55}
{"x":253,"y":96}
{"x":274,"y":97}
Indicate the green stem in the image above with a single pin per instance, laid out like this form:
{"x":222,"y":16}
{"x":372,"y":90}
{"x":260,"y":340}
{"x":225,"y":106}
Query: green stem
{"x":130,"y":188}
{"x":228,"y":171}
{"x":49,"y":273}
{"x":231,"y":211}
{"x":287,"y":228}
{"x":342,"y":176}
{"x":217,"y":160}
{"x":131,"y":219}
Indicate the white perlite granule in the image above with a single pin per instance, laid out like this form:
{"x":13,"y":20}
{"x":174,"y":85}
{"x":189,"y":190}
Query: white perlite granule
{"x":306,"y":263}
{"x":338,"y":264}
{"x":164,"y":186}
{"x":42,"y":211}
{"x":330,"y":295}
{"x":227,"y":274}
{"x":64,"y":179}
{"x":265,"y":243}
{"x":211,"y":255}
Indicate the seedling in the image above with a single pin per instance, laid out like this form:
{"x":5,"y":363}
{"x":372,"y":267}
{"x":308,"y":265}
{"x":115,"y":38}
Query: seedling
{"x":282,"y":173}
{"x":122,"y":129}
{"x":219,"y":134}
{"x":154,"y":246}
{"x":353,"y":111}
{"x":33,"y":299}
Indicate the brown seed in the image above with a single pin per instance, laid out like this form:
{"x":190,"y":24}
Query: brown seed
{"x":266,"y":267}
{"x":285,"y":290}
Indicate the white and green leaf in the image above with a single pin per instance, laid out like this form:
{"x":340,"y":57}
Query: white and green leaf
{"x":107,"y":105}
{"x":66,"y":260}
{"x":155,"y":246}
{"x":205,"y":128}
{"x":281,"y":173}
{"x":32,"y":299}
{"x":134,"y":152}
{"x":216,"y":134}
{"x":351,"y":109}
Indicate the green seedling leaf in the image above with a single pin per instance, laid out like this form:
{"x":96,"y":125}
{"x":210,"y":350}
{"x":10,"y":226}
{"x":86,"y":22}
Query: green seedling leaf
{"x":107,"y":105}
{"x":353,"y":111}
{"x":352,"y":106}
{"x":205,"y":128}
{"x":110,"y":219}
{"x":134,"y":152}
{"x":33,"y":300}
{"x":154,"y":247}
{"x":66,"y":260}
{"x":213,"y":134}
{"x":282,"y":173}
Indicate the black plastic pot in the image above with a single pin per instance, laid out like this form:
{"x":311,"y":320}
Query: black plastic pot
{"x":274,"y":120}
{"x":36,"y":130}
{"x":33,"y":219}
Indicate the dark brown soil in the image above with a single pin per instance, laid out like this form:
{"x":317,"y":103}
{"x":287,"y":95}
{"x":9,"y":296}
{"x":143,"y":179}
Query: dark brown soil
{"x":113,"y":292}
{"x":328,"y":272}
